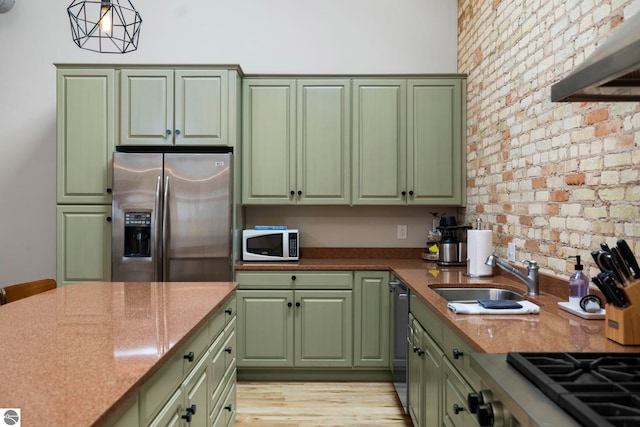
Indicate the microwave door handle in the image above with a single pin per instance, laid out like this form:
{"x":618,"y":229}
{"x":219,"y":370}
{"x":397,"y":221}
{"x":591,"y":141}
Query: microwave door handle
{"x":157,"y":255}
{"x":165,"y":231}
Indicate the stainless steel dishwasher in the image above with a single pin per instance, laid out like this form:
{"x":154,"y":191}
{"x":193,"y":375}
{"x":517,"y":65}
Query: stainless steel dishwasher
{"x":400,"y":344}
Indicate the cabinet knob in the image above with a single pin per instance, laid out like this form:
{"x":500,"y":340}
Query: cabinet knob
{"x":229,"y":407}
{"x":293,"y":277}
{"x":228,"y":349}
{"x":457,"y":353}
{"x":292,"y":192}
{"x":299,"y":192}
{"x":289,"y":304}
{"x":108,"y":219}
{"x":177,"y":131}
{"x":189,"y":412}
{"x":228,"y":311}
{"x":404,"y":193}
{"x":420,"y":352}
{"x":298,"y":304}
{"x":168,"y":131}
{"x":411,"y":193}
{"x":189,"y":356}
{"x":109,"y":190}
{"x":457,"y":408}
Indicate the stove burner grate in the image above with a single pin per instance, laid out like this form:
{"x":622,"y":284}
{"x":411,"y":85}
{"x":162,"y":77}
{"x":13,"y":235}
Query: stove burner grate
{"x":598,"y":389}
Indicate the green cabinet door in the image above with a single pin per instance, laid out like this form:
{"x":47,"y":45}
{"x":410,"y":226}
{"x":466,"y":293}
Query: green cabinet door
{"x":146,"y":107}
{"x":296,"y":141}
{"x":434,"y":142}
{"x":323,"y":142}
{"x":83,"y":244}
{"x":174,"y":107}
{"x":323,"y":328}
{"x":85,"y":134}
{"x":379,"y":142}
{"x":264,"y":328}
{"x":431,"y":392}
{"x":371,"y":319}
{"x":408,"y":140}
{"x":201,"y":107}
{"x":268,"y":133}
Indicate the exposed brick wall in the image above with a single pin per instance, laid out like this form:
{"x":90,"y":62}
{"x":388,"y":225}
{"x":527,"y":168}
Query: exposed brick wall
{"x":555,"y":178}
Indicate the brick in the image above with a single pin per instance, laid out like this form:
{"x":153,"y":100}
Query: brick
{"x":575,"y":179}
{"x":539,"y":183}
{"x":559,"y":196}
{"x":596,"y":116}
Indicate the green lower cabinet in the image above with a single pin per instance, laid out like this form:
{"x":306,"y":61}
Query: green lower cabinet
{"x":425,"y":377}
{"x":294,"y":328}
{"x":323,"y":328}
{"x":83,"y":244}
{"x":265,"y":328}
{"x":456,"y":390}
{"x":371,"y":319}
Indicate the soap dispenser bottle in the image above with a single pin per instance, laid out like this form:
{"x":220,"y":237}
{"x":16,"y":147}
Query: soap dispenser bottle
{"x":578,"y":285}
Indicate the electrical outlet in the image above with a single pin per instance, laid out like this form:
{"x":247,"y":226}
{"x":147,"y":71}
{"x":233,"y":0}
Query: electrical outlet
{"x":511,"y":248}
{"x":402,"y":232}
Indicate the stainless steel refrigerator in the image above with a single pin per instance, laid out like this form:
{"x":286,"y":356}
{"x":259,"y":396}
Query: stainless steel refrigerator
{"x":171,"y":217}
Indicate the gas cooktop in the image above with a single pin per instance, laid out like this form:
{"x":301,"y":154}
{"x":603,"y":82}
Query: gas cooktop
{"x":597,"y":389}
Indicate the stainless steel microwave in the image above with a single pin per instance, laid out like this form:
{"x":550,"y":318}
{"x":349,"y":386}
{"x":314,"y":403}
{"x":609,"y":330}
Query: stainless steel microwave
{"x":270,"y":245}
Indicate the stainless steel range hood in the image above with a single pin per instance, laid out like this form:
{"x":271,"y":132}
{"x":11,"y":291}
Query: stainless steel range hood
{"x":610,"y":73}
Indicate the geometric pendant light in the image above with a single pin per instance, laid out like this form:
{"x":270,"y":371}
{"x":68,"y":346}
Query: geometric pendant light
{"x":105,"y":26}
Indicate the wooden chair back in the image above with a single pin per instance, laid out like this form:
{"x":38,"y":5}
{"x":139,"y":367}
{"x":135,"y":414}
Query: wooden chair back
{"x":13,"y":293}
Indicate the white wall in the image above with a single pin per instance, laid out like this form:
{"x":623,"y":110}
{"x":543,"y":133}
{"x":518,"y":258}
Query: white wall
{"x":275,"y":36}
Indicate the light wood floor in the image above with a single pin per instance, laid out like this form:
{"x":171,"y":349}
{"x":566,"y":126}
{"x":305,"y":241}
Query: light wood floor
{"x":318,"y":404}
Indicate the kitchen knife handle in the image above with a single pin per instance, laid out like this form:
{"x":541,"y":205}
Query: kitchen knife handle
{"x":621,"y":266}
{"x":603,"y":289}
{"x":628,"y":255}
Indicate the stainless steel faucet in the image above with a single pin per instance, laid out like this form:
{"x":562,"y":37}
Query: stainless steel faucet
{"x":531,"y":279}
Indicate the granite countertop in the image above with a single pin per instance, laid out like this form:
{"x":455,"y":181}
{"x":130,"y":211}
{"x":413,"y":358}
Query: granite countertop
{"x":74,"y":355}
{"x":553,"y":329}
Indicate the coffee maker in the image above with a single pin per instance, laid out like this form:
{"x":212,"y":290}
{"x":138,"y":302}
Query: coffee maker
{"x":453,"y":245}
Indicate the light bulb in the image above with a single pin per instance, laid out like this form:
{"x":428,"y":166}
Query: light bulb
{"x":105,"y":23}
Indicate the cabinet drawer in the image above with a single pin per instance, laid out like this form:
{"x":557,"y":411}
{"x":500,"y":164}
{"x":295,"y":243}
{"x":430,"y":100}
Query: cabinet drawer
{"x":454,"y":345}
{"x":159,"y":388}
{"x":224,"y":412}
{"x":455,"y":398}
{"x":295,"y":279}
{"x":197,"y":345}
{"x":221,"y":318}
{"x":427,"y":318}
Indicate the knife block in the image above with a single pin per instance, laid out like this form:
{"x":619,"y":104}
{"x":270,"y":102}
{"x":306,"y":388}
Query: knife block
{"x":622,"y":325}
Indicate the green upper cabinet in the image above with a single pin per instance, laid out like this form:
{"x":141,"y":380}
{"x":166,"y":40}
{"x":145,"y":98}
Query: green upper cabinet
{"x":174,"y":107}
{"x":407,"y":141}
{"x":296,"y":140}
{"x":85,"y":134}
{"x":434,"y":142}
{"x":379,"y":142}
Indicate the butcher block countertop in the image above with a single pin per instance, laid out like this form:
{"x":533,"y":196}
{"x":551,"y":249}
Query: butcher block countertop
{"x":552,"y":329}
{"x":74,"y":355}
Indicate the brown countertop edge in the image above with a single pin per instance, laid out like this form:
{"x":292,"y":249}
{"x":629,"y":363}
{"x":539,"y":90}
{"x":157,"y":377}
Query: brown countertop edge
{"x":553,"y":329}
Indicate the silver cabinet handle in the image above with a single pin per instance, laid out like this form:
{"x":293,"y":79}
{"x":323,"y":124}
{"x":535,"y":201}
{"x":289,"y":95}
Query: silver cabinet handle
{"x":157,"y":252}
{"x":165,"y":222}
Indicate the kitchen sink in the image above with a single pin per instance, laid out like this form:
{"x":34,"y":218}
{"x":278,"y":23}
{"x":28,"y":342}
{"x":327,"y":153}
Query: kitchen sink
{"x":472,"y":295}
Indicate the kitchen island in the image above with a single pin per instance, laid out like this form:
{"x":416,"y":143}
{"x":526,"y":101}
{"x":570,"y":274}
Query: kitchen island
{"x":79,"y":354}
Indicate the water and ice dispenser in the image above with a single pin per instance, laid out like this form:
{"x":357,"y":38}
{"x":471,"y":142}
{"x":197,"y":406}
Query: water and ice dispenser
{"x":137,"y":234}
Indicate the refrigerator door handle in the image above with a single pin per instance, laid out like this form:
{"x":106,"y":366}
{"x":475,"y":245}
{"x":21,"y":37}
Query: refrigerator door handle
{"x":165,"y":221}
{"x":157,"y":256}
